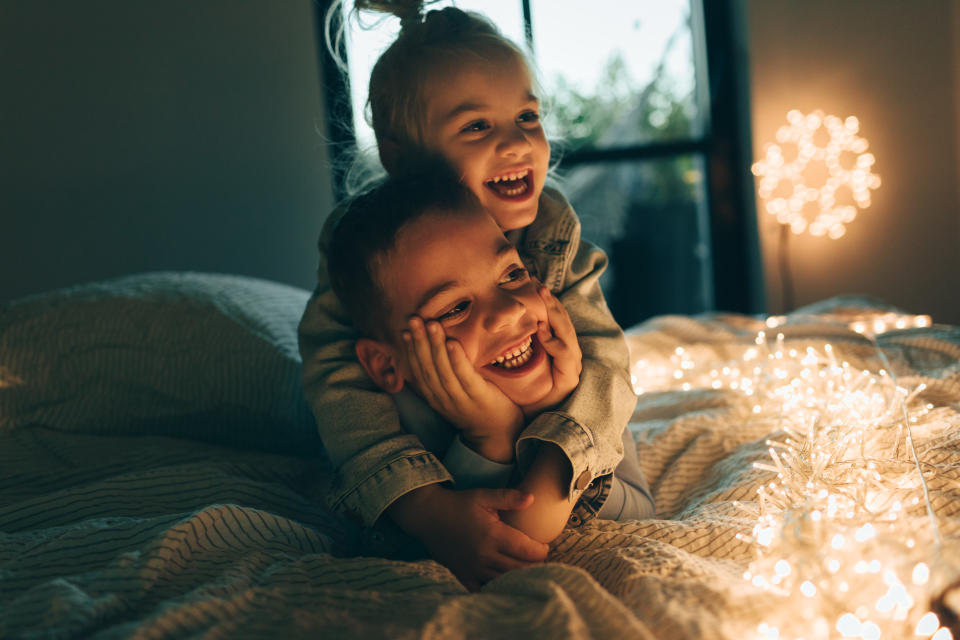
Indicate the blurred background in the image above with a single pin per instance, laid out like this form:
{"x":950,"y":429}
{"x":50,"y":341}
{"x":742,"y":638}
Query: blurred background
{"x":139,"y":136}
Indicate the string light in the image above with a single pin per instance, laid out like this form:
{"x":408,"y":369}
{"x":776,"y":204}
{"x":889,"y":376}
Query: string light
{"x":784,"y":184}
{"x":846,"y":536}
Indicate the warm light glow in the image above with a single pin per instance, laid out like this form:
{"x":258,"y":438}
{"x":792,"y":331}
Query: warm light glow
{"x":827,"y":178}
{"x":844,"y":532}
{"x":928,"y":625}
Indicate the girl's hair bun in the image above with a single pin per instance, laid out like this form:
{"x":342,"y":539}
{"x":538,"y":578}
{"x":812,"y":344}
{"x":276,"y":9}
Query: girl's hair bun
{"x":409,"y":11}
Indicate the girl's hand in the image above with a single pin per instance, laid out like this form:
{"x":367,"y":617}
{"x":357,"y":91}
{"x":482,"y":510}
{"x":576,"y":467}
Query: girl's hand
{"x":559,"y":340}
{"x":488,"y":420}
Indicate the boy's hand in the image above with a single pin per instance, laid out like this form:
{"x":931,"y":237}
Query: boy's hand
{"x":463,"y":530}
{"x":488,"y":420}
{"x":559,"y":340}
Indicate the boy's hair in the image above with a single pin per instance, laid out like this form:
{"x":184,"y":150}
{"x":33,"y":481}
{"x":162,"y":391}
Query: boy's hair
{"x":366,"y":233}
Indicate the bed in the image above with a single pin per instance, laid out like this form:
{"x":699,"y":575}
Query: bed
{"x":160,"y":477}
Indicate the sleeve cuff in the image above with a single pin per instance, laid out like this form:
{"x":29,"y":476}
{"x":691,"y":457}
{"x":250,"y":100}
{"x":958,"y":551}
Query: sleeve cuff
{"x":573,"y":440}
{"x":470,"y":470}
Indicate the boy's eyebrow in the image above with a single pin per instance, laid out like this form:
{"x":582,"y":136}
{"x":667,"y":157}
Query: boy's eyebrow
{"x":504,"y":248}
{"x":434,"y":292}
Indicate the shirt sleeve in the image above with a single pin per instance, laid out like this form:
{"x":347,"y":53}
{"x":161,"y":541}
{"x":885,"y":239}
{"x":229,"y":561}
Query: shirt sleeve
{"x":470,"y":470}
{"x":375,"y":460}
{"x":588,"y":426}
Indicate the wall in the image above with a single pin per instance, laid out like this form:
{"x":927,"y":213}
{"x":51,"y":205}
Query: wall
{"x":894,"y":65}
{"x":165,"y":135}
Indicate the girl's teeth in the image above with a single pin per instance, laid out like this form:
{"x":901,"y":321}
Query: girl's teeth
{"x":511,"y":176}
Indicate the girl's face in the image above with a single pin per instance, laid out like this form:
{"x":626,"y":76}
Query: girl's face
{"x":484,"y":119}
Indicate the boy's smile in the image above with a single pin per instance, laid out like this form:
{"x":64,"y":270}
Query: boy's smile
{"x":459,"y":270}
{"x":484,"y":118}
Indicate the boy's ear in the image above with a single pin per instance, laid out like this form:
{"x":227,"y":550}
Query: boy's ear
{"x":381,"y":365}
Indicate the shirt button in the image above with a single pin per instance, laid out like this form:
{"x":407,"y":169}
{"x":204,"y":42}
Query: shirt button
{"x":584,"y":480}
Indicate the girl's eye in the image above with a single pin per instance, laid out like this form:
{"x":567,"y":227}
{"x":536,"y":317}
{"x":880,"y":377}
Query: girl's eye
{"x":474,"y":127}
{"x":529,"y":117}
{"x":455,"y":311}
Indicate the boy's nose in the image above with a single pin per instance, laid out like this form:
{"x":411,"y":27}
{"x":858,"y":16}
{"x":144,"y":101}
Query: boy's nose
{"x":505,"y":312}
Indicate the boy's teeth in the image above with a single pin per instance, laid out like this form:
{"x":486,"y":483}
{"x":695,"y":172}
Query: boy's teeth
{"x":516,"y":357}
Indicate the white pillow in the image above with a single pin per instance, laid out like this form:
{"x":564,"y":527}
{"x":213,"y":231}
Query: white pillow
{"x":205,"y":356}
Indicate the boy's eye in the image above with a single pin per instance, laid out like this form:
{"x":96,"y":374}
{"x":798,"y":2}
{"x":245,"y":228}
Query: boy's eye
{"x":458,"y":309}
{"x":518,"y":274}
{"x":474,"y":127}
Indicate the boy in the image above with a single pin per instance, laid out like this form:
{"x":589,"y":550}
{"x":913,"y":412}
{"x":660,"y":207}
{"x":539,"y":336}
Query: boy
{"x":420,"y":245}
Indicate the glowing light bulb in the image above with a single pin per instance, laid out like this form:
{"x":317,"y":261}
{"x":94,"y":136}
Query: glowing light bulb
{"x":773,"y":170}
{"x":848,"y":625}
{"x":928,"y":624}
{"x":870,"y":631}
{"x":921,"y":574}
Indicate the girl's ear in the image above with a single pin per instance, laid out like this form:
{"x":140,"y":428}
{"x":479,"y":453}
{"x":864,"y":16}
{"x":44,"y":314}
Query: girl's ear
{"x":389,"y":150}
{"x":380,"y":363}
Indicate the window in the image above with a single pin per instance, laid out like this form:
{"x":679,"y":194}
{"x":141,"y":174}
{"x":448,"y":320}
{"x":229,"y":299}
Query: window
{"x":647,"y":102}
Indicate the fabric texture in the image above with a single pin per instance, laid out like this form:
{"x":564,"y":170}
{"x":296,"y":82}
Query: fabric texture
{"x":205,"y":356}
{"x":107,"y":536}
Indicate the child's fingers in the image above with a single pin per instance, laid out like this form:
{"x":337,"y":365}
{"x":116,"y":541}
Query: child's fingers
{"x":547,"y":341}
{"x":562,"y":352}
{"x":414,"y":362}
{"x":441,"y":360}
{"x":519,"y":547}
{"x":557,"y":316}
{"x":504,"y":499}
{"x":421,"y":358}
{"x":472,"y":383}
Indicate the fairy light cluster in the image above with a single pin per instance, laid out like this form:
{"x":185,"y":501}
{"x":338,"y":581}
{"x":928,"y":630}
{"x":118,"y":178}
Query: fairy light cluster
{"x":881,"y":323}
{"x":846,"y":536}
{"x":821,"y":209}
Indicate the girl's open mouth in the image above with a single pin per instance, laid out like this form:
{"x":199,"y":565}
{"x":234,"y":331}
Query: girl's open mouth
{"x":520,"y":359}
{"x":512,"y":186}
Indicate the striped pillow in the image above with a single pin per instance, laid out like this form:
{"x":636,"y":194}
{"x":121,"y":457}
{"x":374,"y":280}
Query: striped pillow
{"x":205,"y":356}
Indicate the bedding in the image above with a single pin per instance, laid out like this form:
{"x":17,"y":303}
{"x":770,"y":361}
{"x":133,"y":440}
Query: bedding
{"x":159,"y":478}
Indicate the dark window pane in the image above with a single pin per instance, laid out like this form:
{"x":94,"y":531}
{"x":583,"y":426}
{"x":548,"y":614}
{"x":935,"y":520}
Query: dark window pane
{"x":650,"y":217}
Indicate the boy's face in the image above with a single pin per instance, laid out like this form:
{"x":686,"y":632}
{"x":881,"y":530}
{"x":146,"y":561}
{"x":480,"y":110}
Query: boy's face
{"x":460,"y":271}
{"x":483,"y":117}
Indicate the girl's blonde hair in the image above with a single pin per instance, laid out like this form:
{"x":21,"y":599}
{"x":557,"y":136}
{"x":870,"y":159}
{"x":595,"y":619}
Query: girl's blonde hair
{"x":428,"y":43}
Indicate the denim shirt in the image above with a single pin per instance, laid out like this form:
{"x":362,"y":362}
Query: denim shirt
{"x":376,"y":460}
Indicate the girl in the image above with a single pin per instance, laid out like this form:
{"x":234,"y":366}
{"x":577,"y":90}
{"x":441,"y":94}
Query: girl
{"x":452,"y":85}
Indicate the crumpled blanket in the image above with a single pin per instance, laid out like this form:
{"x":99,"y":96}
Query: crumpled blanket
{"x":155,"y":537}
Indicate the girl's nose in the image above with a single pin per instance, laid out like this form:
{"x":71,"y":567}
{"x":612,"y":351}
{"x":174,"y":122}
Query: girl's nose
{"x":514,"y":143}
{"x":505,"y":312}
